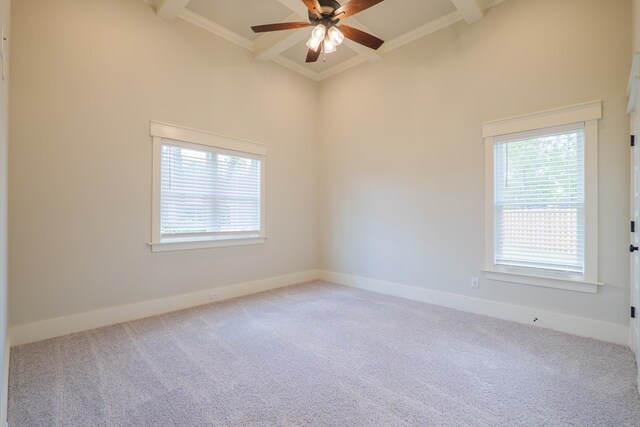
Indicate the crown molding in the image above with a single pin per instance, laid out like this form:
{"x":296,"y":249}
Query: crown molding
{"x":406,"y":38}
{"x":425,"y":30}
{"x":215,"y":28}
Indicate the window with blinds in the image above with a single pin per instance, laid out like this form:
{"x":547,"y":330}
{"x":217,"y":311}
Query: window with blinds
{"x":539,"y":199}
{"x":206,"y":192}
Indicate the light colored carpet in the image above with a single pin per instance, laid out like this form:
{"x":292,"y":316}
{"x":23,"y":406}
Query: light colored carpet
{"x":321,"y":354}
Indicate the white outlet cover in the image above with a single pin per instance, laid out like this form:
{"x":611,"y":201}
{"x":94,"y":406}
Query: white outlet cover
{"x":475,"y":282}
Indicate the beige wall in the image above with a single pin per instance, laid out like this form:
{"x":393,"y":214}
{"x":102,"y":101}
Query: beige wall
{"x":89,"y":76}
{"x":401,"y":191}
{"x":4,"y":141}
{"x":636,"y":25}
{"x":402,"y":166}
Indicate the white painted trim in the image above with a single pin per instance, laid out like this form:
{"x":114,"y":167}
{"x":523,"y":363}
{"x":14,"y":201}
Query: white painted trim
{"x":425,"y":30}
{"x":544,"y":281}
{"x":168,"y":246}
{"x":214,"y":28}
{"x":270,"y":45}
{"x":582,"y":326}
{"x":220,"y":31}
{"x":44,"y":329}
{"x":179,"y":133}
{"x":633,"y":89}
{"x":170,"y":9}
{"x":299,"y":8}
{"x":544,"y":119}
{"x":591,"y":194}
{"x":156,"y":207}
{"x":470,"y":10}
{"x":179,"y":136}
{"x":586,"y":115}
{"x":489,"y":203}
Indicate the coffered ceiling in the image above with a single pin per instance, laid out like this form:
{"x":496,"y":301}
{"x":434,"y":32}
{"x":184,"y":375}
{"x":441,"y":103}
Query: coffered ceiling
{"x":398,"y":22}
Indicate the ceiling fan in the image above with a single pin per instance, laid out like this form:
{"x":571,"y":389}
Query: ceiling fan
{"x":327,"y":35}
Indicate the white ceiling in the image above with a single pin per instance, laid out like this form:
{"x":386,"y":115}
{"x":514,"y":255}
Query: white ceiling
{"x":240,"y":15}
{"x":396,"y":21}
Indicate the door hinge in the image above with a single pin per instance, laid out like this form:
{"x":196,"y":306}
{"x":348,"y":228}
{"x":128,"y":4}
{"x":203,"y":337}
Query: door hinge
{"x":633,"y":312}
{"x":633,"y":226}
{"x":633,"y":140}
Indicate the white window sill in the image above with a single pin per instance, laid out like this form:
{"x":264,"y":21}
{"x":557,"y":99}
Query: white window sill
{"x":184,"y":244}
{"x":567,"y":284}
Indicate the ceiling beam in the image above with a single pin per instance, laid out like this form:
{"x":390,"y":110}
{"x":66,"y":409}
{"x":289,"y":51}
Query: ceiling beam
{"x":170,"y":9}
{"x":470,"y":10}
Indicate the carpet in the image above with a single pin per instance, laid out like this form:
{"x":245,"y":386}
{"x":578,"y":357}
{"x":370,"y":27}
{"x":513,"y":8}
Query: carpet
{"x":319,"y":354}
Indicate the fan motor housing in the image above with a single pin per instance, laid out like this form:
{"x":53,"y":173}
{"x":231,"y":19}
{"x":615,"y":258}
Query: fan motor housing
{"x":328,"y":8}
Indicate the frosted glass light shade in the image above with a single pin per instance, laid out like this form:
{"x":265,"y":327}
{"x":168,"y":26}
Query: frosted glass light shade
{"x":314,"y":43}
{"x":336,"y":36}
{"x":319,"y":32}
{"x":329,"y":46}
{"x":317,"y":35}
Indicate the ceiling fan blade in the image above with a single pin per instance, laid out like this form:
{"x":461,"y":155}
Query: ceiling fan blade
{"x":279,"y":27}
{"x":313,"y":55}
{"x":314,"y":7}
{"x":361,"y":37}
{"x":354,"y":6}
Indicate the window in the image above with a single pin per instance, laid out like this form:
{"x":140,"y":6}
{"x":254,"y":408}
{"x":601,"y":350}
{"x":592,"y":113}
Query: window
{"x":542,"y":198}
{"x":539,"y":200}
{"x":208,"y":190}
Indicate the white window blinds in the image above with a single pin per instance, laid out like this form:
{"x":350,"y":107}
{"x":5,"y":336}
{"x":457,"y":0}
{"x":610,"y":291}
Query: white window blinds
{"x":208,"y":192}
{"x":539,"y":199}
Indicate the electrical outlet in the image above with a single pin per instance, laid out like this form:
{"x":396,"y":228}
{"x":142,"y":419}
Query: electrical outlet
{"x":475,"y":282}
{"x":214,"y":295}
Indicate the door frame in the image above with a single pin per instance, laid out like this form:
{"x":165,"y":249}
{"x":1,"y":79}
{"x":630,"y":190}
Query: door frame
{"x":634,"y":324}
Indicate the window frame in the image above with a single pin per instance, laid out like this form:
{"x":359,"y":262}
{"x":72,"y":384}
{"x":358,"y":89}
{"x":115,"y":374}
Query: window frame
{"x":162,"y":133}
{"x":587,"y":114}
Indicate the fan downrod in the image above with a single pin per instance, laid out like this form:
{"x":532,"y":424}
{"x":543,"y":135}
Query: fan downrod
{"x":328,"y":17}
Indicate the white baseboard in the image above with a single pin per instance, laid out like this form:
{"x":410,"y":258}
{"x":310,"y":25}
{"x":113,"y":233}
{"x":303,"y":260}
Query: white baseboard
{"x":37,"y":331}
{"x":604,"y":331}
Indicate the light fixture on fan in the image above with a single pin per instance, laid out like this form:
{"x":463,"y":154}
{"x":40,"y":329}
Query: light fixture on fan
{"x":336,"y":36}
{"x":317,"y":36}
{"x":330,"y":39}
{"x":325,"y":15}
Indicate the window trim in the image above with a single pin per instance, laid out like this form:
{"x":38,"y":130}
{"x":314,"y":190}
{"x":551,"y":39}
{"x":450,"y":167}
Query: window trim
{"x":176,"y":134}
{"x":588,"y":113}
